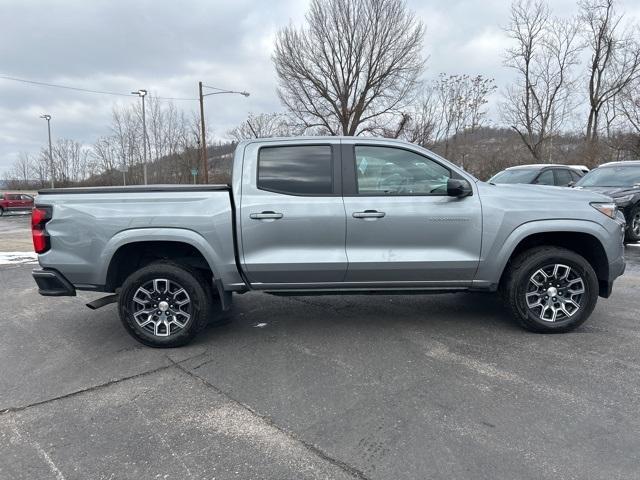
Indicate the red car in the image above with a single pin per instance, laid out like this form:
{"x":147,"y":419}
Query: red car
{"x":15,"y":202}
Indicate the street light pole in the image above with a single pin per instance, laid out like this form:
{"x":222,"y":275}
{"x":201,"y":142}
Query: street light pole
{"x":47,"y":117}
{"x":203,"y":143}
{"x":143,"y":93}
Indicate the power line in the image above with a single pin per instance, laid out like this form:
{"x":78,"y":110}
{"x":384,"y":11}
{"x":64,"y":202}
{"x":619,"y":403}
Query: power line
{"x":66,"y":87}
{"x":176,"y":98}
{"x":84,"y":90}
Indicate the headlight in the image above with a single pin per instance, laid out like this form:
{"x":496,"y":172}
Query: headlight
{"x":625,"y":199}
{"x":609,"y":209}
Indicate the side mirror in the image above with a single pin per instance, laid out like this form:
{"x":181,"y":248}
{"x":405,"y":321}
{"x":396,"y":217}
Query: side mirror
{"x":458,"y":187}
{"x":571,"y":184}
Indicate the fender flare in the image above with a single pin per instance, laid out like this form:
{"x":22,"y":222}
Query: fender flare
{"x":502,"y":251}
{"x":138,"y":235}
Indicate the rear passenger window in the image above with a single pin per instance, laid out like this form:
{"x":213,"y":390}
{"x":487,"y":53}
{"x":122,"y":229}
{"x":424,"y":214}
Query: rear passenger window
{"x":296,"y":170}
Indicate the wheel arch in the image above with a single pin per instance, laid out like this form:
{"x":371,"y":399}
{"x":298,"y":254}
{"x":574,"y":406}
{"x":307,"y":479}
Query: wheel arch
{"x":133,"y":249}
{"x":583,"y":237}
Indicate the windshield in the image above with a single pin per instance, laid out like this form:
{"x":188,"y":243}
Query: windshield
{"x":623,"y":176}
{"x":520,"y":175}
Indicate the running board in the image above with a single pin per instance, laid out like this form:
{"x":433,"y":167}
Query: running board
{"x":101,"y":302}
{"x":382,"y":291}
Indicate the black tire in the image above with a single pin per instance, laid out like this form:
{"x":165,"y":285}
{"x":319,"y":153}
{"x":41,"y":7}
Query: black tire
{"x":632,"y":234}
{"x":519,"y":289}
{"x":1,"y":211}
{"x":163,"y":335}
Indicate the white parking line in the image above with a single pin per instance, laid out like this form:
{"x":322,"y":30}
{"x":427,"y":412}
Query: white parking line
{"x":17,"y":258}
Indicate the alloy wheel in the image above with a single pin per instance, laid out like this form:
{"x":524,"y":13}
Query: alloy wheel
{"x":162,"y":307}
{"x":635,"y":224}
{"x":555,"y":292}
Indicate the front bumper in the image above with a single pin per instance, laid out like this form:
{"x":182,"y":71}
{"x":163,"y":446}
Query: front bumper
{"x":52,"y":283}
{"x":626,"y":211}
{"x":618,"y":265}
{"x":616,"y":269}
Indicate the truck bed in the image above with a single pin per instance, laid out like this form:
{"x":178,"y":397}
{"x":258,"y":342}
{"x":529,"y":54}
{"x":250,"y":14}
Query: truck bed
{"x":89,"y":225}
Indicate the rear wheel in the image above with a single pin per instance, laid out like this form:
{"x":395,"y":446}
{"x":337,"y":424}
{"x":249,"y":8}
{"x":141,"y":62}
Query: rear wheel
{"x":164,"y":304}
{"x":633,"y":229}
{"x":550,"y":289}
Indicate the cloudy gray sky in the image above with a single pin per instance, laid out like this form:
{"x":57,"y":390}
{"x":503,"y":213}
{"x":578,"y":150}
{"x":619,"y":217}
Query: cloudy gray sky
{"x":168,"y":46}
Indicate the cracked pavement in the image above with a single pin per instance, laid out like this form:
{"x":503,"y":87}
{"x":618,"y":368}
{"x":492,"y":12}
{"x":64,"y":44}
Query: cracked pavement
{"x":381,"y":387}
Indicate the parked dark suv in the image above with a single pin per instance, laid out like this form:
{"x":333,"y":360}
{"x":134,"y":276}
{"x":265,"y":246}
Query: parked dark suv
{"x":541,"y":174}
{"x":15,"y":202}
{"x":620,"y":181}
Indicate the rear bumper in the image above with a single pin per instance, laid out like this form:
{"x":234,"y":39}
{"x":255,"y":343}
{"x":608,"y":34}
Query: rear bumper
{"x":52,"y":283}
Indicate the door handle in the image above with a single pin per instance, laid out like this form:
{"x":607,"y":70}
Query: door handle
{"x":369,"y":214}
{"x":266,"y":215}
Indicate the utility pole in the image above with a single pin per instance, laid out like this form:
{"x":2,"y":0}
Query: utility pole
{"x":47,"y":117}
{"x":203,"y":143}
{"x":143,"y":93}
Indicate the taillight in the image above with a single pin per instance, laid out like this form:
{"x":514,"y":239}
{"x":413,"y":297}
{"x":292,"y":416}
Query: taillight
{"x":39,"y":217}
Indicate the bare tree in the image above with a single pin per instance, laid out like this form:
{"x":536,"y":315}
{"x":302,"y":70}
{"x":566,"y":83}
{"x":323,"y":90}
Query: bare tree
{"x":172,"y":137}
{"x":615,"y":58}
{"x":355,"y":62}
{"x":629,"y":105}
{"x":477,"y":97}
{"x":545,"y":50}
{"x":71,"y":160}
{"x":450,"y":106}
{"x":22,"y":170}
{"x":262,"y":125}
{"x":423,"y":122}
{"x":41,"y":167}
{"x":461,"y":101}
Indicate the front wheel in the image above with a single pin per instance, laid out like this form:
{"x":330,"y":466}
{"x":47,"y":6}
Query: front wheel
{"x":164,"y":304}
{"x":633,"y":228}
{"x":550,"y":289}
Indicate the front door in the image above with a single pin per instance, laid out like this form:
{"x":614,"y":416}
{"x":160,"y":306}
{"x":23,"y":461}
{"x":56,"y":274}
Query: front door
{"x":13,"y":201}
{"x":402,"y":228}
{"x":292,"y":215}
{"x":26,"y":202}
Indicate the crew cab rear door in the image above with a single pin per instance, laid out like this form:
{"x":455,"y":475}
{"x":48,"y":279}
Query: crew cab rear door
{"x":402,"y":227}
{"x":292,"y":218}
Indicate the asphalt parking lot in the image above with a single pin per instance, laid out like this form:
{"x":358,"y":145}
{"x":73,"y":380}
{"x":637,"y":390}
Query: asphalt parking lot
{"x":383,"y":387}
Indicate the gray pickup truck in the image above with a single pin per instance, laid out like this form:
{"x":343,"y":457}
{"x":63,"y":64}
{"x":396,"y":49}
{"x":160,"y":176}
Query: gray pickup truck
{"x":309,"y":216}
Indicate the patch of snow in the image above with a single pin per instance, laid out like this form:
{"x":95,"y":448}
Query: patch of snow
{"x":18,"y":258}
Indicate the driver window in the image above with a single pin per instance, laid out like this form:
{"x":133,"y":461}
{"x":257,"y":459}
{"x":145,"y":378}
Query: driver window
{"x":545,"y":178}
{"x":393,"y":171}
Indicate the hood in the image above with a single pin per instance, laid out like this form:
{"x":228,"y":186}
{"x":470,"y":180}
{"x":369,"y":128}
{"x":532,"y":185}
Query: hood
{"x":612,"y":192}
{"x":540,"y":192}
